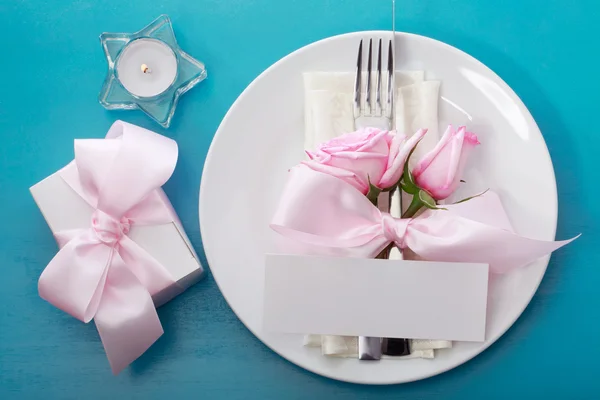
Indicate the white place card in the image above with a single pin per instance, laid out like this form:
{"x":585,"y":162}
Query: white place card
{"x":370,"y":297}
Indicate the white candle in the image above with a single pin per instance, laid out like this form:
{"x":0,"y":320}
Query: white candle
{"x":146,"y":67}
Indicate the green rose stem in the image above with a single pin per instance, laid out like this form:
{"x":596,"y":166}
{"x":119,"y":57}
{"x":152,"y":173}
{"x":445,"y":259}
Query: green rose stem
{"x":373,"y":194}
{"x":415,"y":205}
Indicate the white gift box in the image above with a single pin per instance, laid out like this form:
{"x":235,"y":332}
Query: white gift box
{"x":168,"y":243}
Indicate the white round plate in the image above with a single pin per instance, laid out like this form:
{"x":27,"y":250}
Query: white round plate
{"x":262,"y":136}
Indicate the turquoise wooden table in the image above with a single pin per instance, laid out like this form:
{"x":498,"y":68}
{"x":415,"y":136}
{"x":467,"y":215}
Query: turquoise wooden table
{"x":52,"y":68}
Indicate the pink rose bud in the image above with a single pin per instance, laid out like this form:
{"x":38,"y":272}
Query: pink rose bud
{"x":365,"y":155}
{"x":439,"y":171}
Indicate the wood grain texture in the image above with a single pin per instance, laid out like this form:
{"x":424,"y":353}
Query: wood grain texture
{"x":52,"y":68}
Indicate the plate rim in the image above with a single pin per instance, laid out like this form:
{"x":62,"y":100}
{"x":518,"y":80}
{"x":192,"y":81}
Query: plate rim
{"x":514,"y":97}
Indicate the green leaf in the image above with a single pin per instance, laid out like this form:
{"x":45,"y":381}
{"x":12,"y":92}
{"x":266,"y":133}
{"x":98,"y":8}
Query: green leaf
{"x":409,"y":189}
{"x":472,"y":197}
{"x":429,"y":201}
{"x":426,"y":199}
{"x":408,"y":181}
{"x":373,"y":193}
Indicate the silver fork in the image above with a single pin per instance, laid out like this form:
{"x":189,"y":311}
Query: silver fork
{"x":373,"y":113}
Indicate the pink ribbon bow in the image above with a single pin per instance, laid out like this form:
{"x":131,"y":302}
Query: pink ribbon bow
{"x":322,"y":210}
{"x":100,"y":273}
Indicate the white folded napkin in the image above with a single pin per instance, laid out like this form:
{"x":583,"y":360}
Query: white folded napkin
{"x":328,"y":106}
{"x":347,"y":347}
{"x":328,"y":103}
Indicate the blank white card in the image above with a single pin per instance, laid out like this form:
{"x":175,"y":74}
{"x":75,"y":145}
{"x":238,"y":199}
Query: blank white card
{"x":370,"y":297}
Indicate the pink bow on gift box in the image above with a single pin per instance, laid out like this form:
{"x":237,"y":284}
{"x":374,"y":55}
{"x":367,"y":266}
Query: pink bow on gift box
{"x":321,"y":210}
{"x":99,"y":273}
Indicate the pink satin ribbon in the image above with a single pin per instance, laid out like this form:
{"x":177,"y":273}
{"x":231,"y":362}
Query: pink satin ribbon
{"x":321,"y":210}
{"x":99,"y":273}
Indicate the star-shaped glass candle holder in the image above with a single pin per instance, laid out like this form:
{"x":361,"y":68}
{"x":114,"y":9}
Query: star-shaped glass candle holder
{"x":148,"y":71}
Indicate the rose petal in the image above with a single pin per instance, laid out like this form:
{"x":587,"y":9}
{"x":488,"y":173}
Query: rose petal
{"x":440,"y":171}
{"x":456,"y":146}
{"x":429,"y":156}
{"x":395,"y":145}
{"x":394,"y":172}
{"x":340,"y":173}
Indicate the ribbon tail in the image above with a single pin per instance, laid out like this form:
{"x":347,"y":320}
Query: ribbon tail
{"x":486,"y":235}
{"x":458,"y":239}
{"x":126,"y":318}
{"x":517,"y":251}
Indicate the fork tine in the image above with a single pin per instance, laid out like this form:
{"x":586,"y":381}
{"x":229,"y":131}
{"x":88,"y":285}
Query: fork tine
{"x":369,"y":67}
{"x":358,"y":81}
{"x":390,"y":82}
{"x":378,"y":87}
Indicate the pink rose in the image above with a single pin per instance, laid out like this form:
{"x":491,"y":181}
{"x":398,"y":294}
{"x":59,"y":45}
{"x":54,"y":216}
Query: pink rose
{"x":367,"y":154}
{"x":439,"y":171}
